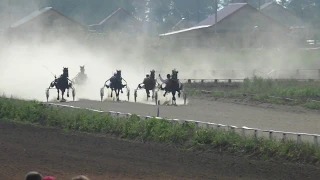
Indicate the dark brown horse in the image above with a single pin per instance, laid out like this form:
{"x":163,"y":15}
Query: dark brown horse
{"x":116,"y":84}
{"x":149,"y":84}
{"x":173,"y":85}
{"x":62,"y":83}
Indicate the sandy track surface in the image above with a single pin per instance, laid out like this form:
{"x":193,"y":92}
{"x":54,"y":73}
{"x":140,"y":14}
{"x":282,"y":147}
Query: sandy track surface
{"x":282,"y":119}
{"x":53,"y":152}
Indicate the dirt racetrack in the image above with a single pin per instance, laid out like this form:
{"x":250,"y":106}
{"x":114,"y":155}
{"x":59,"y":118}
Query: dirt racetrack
{"x":263,"y":116}
{"x":54,"y":152}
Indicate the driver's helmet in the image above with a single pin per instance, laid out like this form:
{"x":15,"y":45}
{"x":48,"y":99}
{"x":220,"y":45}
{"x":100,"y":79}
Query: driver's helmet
{"x":168,"y":76}
{"x":147,"y":75}
{"x":114,"y":74}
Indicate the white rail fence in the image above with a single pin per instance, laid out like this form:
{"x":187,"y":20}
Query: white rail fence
{"x":245,"y":73}
{"x":244,"y":131}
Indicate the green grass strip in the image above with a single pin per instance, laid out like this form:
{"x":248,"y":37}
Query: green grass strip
{"x":262,"y":89}
{"x":154,"y":130}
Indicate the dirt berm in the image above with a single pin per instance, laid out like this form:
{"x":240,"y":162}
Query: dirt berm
{"x":53,"y":152}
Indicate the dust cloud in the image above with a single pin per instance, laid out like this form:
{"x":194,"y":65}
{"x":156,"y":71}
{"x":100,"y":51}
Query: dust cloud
{"x":27,"y":68}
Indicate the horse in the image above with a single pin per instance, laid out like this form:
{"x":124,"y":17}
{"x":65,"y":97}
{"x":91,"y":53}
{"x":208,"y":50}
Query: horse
{"x":173,"y":86}
{"x":81,"y":77}
{"x":116,"y":84}
{"x":62,"y":83}
{"x":149,"y":84}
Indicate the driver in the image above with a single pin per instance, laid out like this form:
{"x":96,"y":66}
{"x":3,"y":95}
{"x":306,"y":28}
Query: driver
{"x":113,"y":77}
{"x":112,"y":80}
{"x":165,"y":81}
{"x":82,"y":69}
{"x":145,"y":81}
{"x":81,"y":76}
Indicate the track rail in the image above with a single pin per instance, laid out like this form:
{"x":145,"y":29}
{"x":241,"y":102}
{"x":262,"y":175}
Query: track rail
{"x":200,"y":124}
{"x":240,"y":74}
{"x":239,"y":80}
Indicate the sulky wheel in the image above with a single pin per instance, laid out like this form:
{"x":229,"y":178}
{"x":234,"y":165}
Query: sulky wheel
{"x":128,"y":94}
{"x":135,"y":94}
{"x":101,"y":93}
{"x":156,"y":97}
{"x":152,"y":95}
{"x":73,"y":94}
{"x":184,"y":98}
{"x":47,"y":94}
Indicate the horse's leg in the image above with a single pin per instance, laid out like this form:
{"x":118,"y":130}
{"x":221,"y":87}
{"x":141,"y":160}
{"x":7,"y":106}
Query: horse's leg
{"x":173,"y":97}
{"x":148,"y":92}
{"x":121,"y":86}
{"x":68,"y":90}
{"x":179,"y":91}
{"x":111,"y":92}
{"x":165,"y":91}
{"x":117,"y":94}
{"x":62,"y":94}
{"x":58,"y":94}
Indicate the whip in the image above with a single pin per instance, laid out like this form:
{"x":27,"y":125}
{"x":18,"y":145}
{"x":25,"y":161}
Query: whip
{"x":49,"y":71}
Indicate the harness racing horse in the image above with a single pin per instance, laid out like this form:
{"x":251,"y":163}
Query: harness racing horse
{"x":173,"y":85}
{"x":61,"y":84}
{"x":116,"y":85}
{"x":81,"y":77}
{"x":149,"y":84}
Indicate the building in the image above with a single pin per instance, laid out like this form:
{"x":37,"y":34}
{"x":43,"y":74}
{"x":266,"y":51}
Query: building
{"x":281,"y":14}
{"x":236,"y":25}
{"x":300,"y":31}
{"x":119,"y":21}
{"x":182,"y":24}
{"x":46,"y":24}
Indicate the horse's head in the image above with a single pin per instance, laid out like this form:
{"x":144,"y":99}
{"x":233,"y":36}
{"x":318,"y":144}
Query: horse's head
{"x":174,"y":74}
{"x":118,"y":74}
{"x":82,"y":69}
{"x":152,"y":74}
{"x":65,"y":72}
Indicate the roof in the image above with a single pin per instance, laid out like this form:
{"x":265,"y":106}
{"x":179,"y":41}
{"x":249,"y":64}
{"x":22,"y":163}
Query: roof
{"x":222,"y":14}
{"x":38,"y":13}
{"x":182,"y":24}
{"x":31,"y":17}
{"x":266,"y":4}
{"x":118,"y":13}
{"x":179,"y":23}
{"x":282,"y":14}
{"x":185,"y":30}
{"x":210,"y":21}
